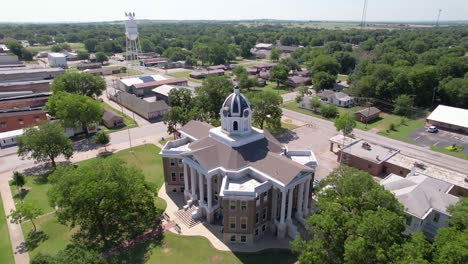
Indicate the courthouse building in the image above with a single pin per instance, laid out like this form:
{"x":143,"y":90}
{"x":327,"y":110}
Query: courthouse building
{"x":240,"y":177}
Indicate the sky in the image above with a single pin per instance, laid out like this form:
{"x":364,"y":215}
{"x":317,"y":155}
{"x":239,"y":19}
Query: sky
{"x":331,"y":10}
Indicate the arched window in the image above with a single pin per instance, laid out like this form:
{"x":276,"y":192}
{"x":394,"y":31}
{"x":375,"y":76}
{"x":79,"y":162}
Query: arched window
{"x":235,"y":126}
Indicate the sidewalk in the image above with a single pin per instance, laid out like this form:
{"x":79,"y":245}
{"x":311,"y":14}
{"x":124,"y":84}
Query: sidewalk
{"x":16,"y":234}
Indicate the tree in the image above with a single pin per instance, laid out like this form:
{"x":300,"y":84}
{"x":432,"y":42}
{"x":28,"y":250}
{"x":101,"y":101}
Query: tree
{"x":315,"y":103}
{"x":345,"y":122}
{"x":56,"y":48}
{"x":101,"y":57}
{"x":267,"y":105}
{"x":146,"y":45}
{"x":176,"y":53}
{"x":101,"y":138}
{"x":19,"y":180}
{"x":356,"y":222}
{"x":212,"y":93}
{"x":83,"y":55}
{"x":291,"y":64}
{"x":325,"y":63}
{"x":232,"y":52}
{"x":26,"y":54}
{"x":74,"y":110}
{"x":110,"y":201}
{"x":25,"y":211}
{"x":79,"y":83}
{"x":329,"y":110}
{"x":451,"y":243}
{"x":90,"y":45}
{"x":403,"y":104}
{"x":15,"y":48}
{"x":45,"y":143}
{"x":245,"y":49}
{"x":323,"y":80}
{"x":346,"y":60}
{"x":454,"y":92}
{"x":279,"y":73}
{"x":275,"y":54}
{"x":176,"y":117}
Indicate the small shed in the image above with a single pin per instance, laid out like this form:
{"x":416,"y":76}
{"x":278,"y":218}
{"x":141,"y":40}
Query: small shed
{"x":367,"y":115}
{"x":112,"y":120}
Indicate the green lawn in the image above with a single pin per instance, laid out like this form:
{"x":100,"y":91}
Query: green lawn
{"x":402,"y":130}
{"x":271,"y":86}
{"x":451,"y":153}
{"x":73,"y":46}
{"x":184,"y":74}
{"x":342,"y":77}
{"x":129,"y":122}
{"x":173,"y":249}
{"x":194,"y":250}
{"x":35,"y":192}
{"x":6,"y":254}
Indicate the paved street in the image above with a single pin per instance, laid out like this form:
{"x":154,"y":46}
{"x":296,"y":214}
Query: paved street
{"x":418,"y":152}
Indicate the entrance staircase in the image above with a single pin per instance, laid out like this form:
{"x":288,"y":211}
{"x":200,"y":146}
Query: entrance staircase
{"x":185,"y":216}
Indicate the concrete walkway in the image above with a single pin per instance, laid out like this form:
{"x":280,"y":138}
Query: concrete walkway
{"x":213,"y":232}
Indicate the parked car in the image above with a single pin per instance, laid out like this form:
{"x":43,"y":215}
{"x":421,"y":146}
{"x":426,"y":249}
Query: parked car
{"x":432,"y":129}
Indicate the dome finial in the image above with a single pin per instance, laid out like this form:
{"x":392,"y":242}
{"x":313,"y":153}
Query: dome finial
{"x":236,"y":89}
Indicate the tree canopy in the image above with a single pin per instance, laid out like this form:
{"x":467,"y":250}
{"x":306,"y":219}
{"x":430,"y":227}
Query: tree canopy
{"x":267,"y":105}
{"x":279,"y":73}
{"x":45,"y":143}
{"x":108,"y":200}
{"x":345,"y":123}
{"x":74,"y":110}
{"x":79,"y":83}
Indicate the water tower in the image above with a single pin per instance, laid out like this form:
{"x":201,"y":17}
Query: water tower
{"x":132,"y":46}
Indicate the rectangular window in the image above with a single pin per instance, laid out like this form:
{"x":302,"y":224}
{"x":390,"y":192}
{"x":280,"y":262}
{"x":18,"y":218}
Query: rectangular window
{"x":180,"y":162}
{"x":243,"y":222}
{"x":436,"y":217}
{"x":20,"y":121}
{"x":243,"y":205}
{"x":256,"y":217}
{"x":256,"y":232}
{"x":232,"y":223}
{"x":181,"y":176}
{"x":172,"y":162}
{"x":265,"y":213}
{"x":263,"y":228}
{"x":265,"y":198}
{"x":3,"y":124}
{"x":233,"y":238}
{"x":232,"y":205}
{"x":243,"y":239}
{"x":173,"y":177}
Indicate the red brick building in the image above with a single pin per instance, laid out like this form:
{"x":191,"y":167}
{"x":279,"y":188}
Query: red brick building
{"x":17,"y":119}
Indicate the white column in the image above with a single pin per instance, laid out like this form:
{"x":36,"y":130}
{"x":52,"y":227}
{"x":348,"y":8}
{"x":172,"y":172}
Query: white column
{"x":274,"y":206}
{"x":305,"y":206}
{"x":283,"y":206}
{"x":290,"y":204}
{"x":200,"y":186}
{"x":193,"y":182}
{"x":210,"y":191}
{"x":300,"y":197}
{"x":186,"y":179}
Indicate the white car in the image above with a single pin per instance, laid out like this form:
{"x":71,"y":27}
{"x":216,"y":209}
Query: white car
{"x":432,"y":129}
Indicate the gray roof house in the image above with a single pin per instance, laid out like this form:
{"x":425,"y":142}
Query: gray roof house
{"x":425,"y":199}
{"x":337,"y":98}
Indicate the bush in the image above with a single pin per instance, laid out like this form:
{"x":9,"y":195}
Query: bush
{"x":299,"y":98}
{"x":329,"y":110}
{"x":391,"y":127}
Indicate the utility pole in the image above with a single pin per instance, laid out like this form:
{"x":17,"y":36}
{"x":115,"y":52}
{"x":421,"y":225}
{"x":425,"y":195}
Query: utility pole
{"x":364,"y":14}
{"x":438,"y":17}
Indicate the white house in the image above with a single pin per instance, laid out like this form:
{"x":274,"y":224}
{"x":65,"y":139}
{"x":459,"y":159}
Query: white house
{"x":57,"y":60}
{"x":337,"y":98}
{"x":425,"y":199}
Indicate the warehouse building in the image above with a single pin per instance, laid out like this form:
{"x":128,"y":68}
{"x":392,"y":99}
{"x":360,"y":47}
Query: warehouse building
{"x":450,"y":118}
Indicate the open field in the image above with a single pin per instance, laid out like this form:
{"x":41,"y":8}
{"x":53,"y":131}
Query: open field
{"x":402,"y":130}
{"x":73,"y":46}
{"x":172,"y":248}
{"x":184,"y":74}
{"x":271,"y":86}
{"x":130,"y":72}
{"x":6,"y":255}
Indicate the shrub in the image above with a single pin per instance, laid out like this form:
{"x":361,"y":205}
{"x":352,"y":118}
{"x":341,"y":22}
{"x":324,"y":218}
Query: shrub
{"x":299,"y":98}
{"x":329,"y":110}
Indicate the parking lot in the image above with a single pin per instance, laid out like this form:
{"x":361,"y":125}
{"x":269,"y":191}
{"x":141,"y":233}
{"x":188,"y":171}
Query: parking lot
{"x":440,"y":139}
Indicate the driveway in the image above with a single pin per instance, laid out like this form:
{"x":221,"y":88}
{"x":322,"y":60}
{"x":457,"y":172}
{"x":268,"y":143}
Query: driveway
{"x":440,"y":139}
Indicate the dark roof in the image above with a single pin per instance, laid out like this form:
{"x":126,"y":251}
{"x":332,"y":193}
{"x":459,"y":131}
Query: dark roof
{"x":196,"y":129}
{"x":298,"y":79}
{"x":109,"y":115}
{"x":216,"y":67}
{"x":263,"y":155}
{"x":368,"y":111}
{"x":326,"y":93}
{"x":159,"y":83}
{"x":235,"y":104}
